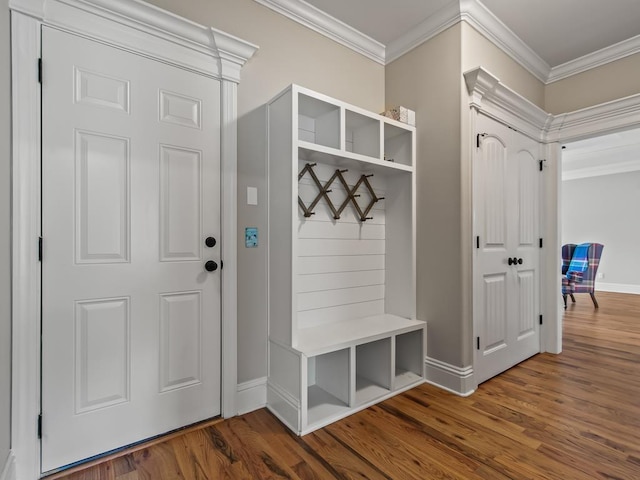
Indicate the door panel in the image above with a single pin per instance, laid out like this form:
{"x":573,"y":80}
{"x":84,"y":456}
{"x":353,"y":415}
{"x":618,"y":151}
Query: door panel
{"x":102,"y":198}
{"x":495,"y":327}
{"x":131,"y":188}
{"x":506,"y":296}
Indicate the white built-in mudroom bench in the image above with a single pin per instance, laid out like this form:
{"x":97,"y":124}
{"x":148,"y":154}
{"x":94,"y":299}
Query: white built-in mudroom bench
{"x":343,"y":332}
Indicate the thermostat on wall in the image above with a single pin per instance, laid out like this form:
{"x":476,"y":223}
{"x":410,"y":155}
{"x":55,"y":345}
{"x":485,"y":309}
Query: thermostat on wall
{"x":250,"y":237}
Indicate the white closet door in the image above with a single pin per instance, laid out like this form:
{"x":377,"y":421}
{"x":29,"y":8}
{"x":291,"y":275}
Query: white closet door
{"x":506,"y":268}
{"x":131,"y":187}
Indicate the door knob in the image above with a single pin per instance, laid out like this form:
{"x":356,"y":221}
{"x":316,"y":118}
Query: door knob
{"x":511,"y":261}
{"x":519,"y":261}
{"x":211,"y":266}
{"x":210,"y":242}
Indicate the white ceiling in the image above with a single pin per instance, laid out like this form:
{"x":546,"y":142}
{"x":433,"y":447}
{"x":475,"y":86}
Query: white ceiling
{"x":556,"y":30}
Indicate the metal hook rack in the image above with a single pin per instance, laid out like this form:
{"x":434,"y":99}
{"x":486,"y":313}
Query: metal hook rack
{"x":352,"y":195}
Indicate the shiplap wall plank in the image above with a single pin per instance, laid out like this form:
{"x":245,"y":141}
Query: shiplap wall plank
{"x":341,"y":262}
{"x":338,"y":297}
{"x":323,"y":247}
{"x":351,"y":263}
{"x":324,"y":316}
{"x":332,"y":281}
{"x":340,"y":230}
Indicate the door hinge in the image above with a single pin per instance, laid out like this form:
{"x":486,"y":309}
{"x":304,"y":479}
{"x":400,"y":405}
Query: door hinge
{"x":478,"y":241}
{"x":40,"y":426}
{"x":477,"y":343}
{"x":478,"y":136}
{"x":40,"y":70}
{"x":541,"y":243}
{"x":40,"y":249}
{"x":540,"y":319}
{"x":221,"y":264}
{"x":541,"y":163}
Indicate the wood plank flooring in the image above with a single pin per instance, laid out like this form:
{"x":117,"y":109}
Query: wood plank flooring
{"x":571,"y":416}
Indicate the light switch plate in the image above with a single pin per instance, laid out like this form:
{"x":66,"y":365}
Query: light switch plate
{"x":250,"y":237}
{"x":252,"y":196}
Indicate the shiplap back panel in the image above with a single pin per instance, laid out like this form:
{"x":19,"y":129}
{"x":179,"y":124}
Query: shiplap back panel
{"x":341,"y":263}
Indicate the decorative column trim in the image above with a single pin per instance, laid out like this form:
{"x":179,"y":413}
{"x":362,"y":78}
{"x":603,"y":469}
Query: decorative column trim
{"x":229,"y":220}
{"x":26,"y":296}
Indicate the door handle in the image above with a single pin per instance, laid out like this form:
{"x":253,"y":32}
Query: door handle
{"x":210,"y":242}
{"x":211,"y":266}
{"x":514,"y":261}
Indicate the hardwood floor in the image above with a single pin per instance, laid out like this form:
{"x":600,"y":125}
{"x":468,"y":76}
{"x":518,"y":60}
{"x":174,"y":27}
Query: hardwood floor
{"x":570,"y":416}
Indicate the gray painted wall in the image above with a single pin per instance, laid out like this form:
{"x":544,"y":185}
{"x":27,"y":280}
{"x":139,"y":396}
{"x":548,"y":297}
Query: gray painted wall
{"x":604,"y":209}
{"x":5,"y":235}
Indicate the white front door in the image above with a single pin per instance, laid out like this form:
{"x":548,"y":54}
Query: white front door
{"x":507,"y":265}
{"x":131,"y":191}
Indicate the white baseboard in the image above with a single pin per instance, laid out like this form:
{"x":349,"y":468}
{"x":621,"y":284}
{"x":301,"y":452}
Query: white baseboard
{"x":252,"y":395}
{"x":457,"y":380}
{"x":617,"y":287}
{"x":9,"y":470}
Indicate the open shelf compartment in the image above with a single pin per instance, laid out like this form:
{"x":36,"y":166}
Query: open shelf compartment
{"x":318,"y":122}
{"x":328,"y":386}
{"x":362,"y":134}
{"x":398,"y":145}
{"x":409,"y":359}
{"x":373,"y":370}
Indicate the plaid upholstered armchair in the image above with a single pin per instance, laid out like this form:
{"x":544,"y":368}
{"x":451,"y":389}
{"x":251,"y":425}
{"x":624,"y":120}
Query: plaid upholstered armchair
{"x":579,"y":268}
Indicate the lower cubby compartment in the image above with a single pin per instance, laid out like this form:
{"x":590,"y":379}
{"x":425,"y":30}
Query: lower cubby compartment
{"x":373,"y":370}
{"x":327,"y":386}
{"x":409,"y":359}
{"x":334,"y":372}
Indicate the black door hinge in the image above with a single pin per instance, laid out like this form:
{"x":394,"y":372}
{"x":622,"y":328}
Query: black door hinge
{"x":540,"y":319}
{"x":541,"y":163}
{"x":541,"y":243}
{"x":39,"y":70}
{"x":478,"y":241}
{"x":221,"y":264}
{"x":478,"y":136}
{"x":40,"y":249}
{"x":478,"y":343}
{"x":40,"y":426}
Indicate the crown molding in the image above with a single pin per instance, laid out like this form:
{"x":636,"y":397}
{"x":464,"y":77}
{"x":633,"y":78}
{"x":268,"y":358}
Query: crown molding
{"x":473,"y":12}
{"x":606,"y":55}
{"x":205,"y":44}
{"x":311,"y":17}
{"x":608,"y":117}
{"x":580,"y":161}
{"x":489,"y":95}
{"x":491,"y":27}
{"x":609,"y":168}
{"x":437,"y":23}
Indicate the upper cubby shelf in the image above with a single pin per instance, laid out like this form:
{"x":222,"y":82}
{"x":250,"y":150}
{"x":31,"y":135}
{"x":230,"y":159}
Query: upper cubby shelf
{"x":318,"y":122}
{"x":333,"y":132}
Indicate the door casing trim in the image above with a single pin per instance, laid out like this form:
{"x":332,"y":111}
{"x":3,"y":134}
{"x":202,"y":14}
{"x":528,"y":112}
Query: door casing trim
{"x":143,"y":29}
